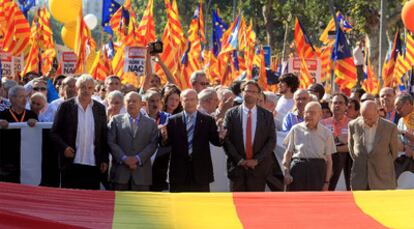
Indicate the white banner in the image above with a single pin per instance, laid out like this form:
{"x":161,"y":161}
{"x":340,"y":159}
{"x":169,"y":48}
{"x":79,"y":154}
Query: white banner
{"x":6,"y":64}
{"x":18,"y":64}
{"x":68,"y":61}
{"x":313,"y":64}
{"x":135,"y":60}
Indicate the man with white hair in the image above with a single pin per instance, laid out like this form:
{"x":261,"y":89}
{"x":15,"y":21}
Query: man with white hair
{"x":208,"y":101}
{"x":199,"y":81}
{"x":301,"y":98}
{"x":10,"y":139}
{"x":309,"y":145}
{"x":79,"y":133}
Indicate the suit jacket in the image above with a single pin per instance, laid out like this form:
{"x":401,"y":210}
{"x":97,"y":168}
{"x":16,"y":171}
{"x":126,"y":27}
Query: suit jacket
{"x":201,"y":166}
{"x":373,"y":169}
{"x":263,"y":144}
{"x":123,"y":142}
{"x":63,"y":132}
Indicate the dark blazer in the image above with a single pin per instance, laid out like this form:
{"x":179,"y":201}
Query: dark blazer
{"x":205,"y":132}
{"x":65,"y":126}
{"x":263,"y":145}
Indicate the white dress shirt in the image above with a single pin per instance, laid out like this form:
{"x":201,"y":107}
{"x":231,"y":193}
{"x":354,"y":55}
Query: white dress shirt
{"x":369,"y":136}
{"x":254,"y":123}
{"x":85,"y":135}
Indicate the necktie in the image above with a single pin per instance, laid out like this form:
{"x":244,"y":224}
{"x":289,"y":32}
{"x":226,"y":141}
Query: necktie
{"x":134,"y":125}
{"x":249,"y":148}
{"x":190,"y":134}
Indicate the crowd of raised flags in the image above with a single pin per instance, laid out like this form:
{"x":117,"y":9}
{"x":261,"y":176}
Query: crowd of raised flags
{"x":233,"y":53}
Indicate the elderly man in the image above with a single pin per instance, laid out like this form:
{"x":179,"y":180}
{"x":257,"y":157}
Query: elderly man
{"x":373,"y":144}
{"x":199,"y":81}
{"x":39,"y":105}
{"x":10,"y":139}
{"x":338,"y":125}
{"x":208,"y":101}
{"x":405,"y":109}
{"x":301,"y":98}
{"x":189,"y":134}
{"x":79,"y":133}
{"x":309,"y":145}
{"x":387,"y":99}
{"x":132,"y":138}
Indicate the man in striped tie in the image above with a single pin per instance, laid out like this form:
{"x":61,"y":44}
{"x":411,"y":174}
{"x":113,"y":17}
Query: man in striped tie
{"x":189,"y":134}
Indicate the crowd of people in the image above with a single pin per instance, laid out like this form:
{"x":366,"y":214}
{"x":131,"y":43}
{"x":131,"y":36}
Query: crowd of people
{"x":158,"y":137}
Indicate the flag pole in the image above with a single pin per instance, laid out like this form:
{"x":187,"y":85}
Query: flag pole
{"x":331,"y":8}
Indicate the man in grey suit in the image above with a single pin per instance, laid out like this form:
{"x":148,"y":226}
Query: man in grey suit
{"x":373,"y":145}
{"x":132,"y":138}
{"x":250,"y":142}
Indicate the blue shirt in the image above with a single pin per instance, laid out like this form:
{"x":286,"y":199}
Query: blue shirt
{"x":290,"y":120}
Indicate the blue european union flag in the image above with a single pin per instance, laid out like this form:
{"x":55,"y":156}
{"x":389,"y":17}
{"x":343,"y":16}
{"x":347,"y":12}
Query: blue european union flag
{"x":26,"y":5}
{"x":341,"y":49}
{"x":109,"y":7}
{"x":219,"y":27}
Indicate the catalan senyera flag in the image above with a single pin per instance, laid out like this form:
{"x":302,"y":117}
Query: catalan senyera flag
{"x":388,"y":68}
{"x":201,"y":22}
{"x":409,"y":50}
{"x":324,"y":35}
{"x":146,"y":28}
{"x":401,"y":67}
{"x":33,"y":60}
{"x":174,"y":45}
{"x":84,"y":43}
{"x":101,"y":67}
{"x":14,"y":28}
{"x":260,"y":61}
{"x":26,"y":206}
{"x":326,"y":63}
{"x":303,"y":44}
{"x":345,"y":70}
{"x":250,"y":50}
{"x":305,"y":78}
{"x":46,"y":42}
{"x":370,"y":83}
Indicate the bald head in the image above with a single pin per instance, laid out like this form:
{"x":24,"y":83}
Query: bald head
{"x":133,"y":103}
{"x":189,"y":100}
{"x":369,"y":112}
{"x":313,"y":114}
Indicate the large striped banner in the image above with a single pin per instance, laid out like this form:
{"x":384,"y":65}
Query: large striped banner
{"x":40,"y":207}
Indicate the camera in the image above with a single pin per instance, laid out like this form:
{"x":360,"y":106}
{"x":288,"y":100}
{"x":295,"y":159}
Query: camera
{"x":155,"y":47}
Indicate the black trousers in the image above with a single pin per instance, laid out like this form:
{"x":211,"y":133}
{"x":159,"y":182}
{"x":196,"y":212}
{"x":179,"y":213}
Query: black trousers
{"x":402,"y":164}
{"x":81,"y":177}
{"x":341,"y":161}
{"x":308,"y":174}
{"x":189,"y":187}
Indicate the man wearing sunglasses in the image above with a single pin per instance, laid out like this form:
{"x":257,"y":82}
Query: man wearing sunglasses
{"x":199,"y":81}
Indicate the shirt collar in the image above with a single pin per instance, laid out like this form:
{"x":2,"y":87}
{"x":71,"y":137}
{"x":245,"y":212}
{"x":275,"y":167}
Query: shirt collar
{"x":373,"y":126}
{"x":131,"y":118}
{"x":186,"y":115}
{"x":78,"y":103}
{"x":245,"y":109}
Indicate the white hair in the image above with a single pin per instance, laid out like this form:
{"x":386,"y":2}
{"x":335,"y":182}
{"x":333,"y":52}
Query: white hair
{"x":206,"y":94}
{"x":114,"y":94}
{"x":131,"y":93}
{"x":83,"y":79}
{"x":39,"y":95}
{"x":14,"y":90}
{"x":314,"y":97}
{"x":222,"y":92}
{"x":271,"y":97}
{"x":186,"y":92}
{"x":195,"y":74}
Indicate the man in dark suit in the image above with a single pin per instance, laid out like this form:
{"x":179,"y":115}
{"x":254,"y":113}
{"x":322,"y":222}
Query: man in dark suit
{"x":250,"y":142}
{"x":79,"y":133}
{"x":132,"y":138}
{"x":189,"y":133}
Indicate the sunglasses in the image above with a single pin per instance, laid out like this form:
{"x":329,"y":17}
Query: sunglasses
{"x":204,"y":83}
{"x":39,"y":89}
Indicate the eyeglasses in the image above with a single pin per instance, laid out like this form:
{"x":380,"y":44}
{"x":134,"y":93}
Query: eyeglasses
{"x":250,"y":91}
{"x":39,"y":89}
{"x":204,"y":83}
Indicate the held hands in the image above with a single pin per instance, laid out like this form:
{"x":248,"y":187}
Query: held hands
{"x":31,"y":122}
{"x":249,"y":164}
{"x":3,"y":124}
{"x":131,"y":162}
{"x":69,"y":152}
{"x":221,"y":130}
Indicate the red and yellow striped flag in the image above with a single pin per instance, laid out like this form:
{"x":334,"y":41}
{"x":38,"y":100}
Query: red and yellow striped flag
{"x":409,"y":55}
{"x":388,"y":68}
{"x":324,"y":36}
{"x":260,"y":62}
{"x":401,"y":67}
{"x":46,"y":42}
{"x":14,"y":27}
{"x":326,"y":63}
{"x":32,"y":61}
{"x":84,"y":43}
{"x":305,"y":78}
{"x":250,"y":49}
{"x":304,"y":47}
{"x":101,"y":67}
{"x":201,"y":22}
{"x":174,"y":45}
{"x":146,"y":28}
